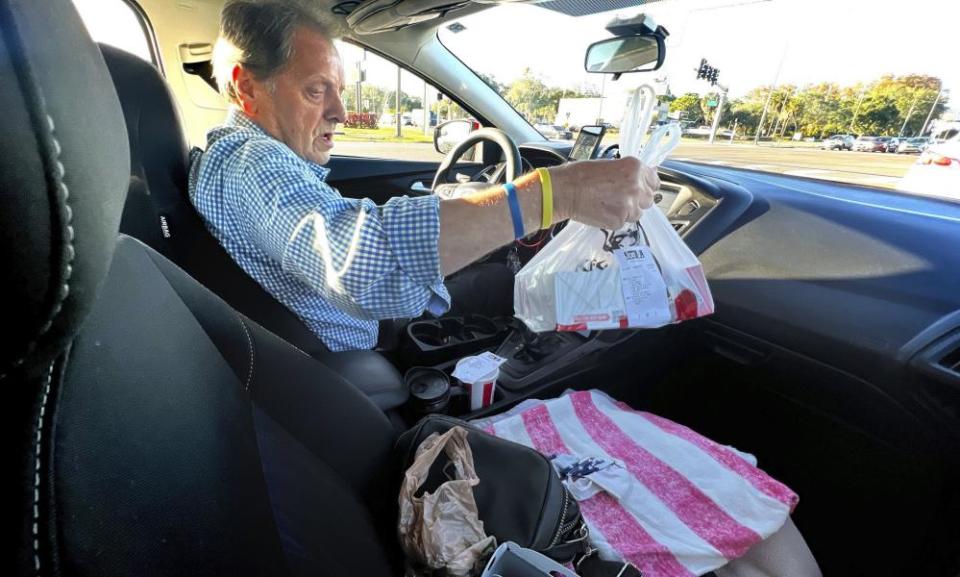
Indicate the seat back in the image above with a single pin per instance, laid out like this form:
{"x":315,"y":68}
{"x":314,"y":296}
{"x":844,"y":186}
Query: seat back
{"x":158,"y":210}
{"x":157,"y":431}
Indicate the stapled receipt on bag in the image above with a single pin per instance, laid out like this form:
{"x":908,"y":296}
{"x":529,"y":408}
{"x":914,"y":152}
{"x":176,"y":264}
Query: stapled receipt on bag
{"x":644,"y":292}
{"x":629,"y":295}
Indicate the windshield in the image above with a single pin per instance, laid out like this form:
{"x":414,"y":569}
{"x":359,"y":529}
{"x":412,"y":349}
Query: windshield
{"x":783,"y":99}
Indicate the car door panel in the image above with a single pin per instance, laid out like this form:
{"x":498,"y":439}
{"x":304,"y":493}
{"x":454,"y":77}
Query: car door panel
{"x":382,"y":179}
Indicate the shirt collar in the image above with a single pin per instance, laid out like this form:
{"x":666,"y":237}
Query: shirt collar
{"x":237,"y":118}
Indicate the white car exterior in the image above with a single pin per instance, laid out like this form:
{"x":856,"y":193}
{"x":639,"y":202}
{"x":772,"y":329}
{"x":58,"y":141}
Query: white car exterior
{"x":936,"y":172}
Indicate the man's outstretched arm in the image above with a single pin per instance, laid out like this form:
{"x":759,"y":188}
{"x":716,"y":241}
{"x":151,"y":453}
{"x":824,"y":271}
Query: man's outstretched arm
{"x":603,"y":193}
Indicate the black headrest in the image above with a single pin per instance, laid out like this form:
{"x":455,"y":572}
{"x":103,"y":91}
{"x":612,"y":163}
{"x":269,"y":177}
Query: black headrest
{"x":64,"y":170}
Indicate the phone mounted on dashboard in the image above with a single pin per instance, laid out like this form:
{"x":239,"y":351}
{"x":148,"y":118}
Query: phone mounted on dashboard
{"x":588,"y":142}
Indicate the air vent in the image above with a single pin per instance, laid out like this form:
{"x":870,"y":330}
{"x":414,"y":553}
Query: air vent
{"x":951,"y":360}
{"x":689,"y":208}
{"x":941,"y":359}
{"x":679,"y":225}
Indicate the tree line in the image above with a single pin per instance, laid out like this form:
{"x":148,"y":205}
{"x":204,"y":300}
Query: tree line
{"x":888,"y":106}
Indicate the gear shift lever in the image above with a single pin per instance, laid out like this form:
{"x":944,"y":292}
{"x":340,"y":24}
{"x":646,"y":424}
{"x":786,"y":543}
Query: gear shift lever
{"x":528,"y":336}
{"x":531,"y":349}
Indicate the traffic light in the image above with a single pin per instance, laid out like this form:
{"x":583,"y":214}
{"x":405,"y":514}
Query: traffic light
{"x":703,"y":70}
{"x":707,"y":72}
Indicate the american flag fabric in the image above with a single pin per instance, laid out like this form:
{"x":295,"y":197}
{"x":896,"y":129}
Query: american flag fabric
{"x":675,"y":505}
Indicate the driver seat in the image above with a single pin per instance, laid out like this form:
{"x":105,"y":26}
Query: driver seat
{"x":156,"y":430}
{"x":158,"y":210}
{"x":159,"y":213}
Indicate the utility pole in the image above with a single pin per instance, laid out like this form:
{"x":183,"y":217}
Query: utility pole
{"x":909,"y":114}
{"x":361,"y":76}
{"x":358,"y":110}
{"x":734,"y":133}
{"x":856,"y":111}
{"x":932,"y":108}
{"x":603,"y":89}
{"x":710,"y":74}
{"x":399,"y":115}
{"x":716,"y":117}
{"x":773,"y":88}
{"x":426,"y":110}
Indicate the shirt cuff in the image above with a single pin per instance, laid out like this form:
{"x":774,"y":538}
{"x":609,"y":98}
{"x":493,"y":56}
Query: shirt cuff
{"x":438,"y":304}
{"x":412,"y":227}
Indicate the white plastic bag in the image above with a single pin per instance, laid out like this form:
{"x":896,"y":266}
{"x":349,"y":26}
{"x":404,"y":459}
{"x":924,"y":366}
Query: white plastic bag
{"x":641,"y":276}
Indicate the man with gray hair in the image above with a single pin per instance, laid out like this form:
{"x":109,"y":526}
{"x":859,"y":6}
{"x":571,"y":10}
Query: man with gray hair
{"x":344,"y":264}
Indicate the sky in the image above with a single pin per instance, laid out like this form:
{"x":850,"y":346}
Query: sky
{"x":843,"y":41}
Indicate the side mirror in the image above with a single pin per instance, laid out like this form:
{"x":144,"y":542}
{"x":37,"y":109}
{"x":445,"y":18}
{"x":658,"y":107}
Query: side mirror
{"x":451,"y":133}
{"x":624,"y":54}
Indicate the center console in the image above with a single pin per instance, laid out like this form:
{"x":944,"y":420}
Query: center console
{"x":533,"y":360}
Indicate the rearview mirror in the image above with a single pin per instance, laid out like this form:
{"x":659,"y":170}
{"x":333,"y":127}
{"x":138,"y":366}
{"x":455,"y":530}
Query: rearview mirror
{"x":623,"y":54}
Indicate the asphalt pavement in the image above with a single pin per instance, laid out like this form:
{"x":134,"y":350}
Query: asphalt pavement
{"x":393,"y":150}
{"x":865,"y":168}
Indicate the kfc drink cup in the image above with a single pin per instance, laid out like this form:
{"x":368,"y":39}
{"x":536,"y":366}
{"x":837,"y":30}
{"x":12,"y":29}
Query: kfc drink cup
{"x":481,"y":388}
{"x":481,"y":391}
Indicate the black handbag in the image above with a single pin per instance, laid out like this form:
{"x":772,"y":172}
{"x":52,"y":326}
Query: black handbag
{"x":520,"y":496}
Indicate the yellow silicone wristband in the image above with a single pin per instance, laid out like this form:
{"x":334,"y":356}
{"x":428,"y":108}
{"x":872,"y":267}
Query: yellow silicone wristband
{"x":546,"y":188}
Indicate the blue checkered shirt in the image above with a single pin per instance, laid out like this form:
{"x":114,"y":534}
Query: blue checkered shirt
{"x":340,"y":264}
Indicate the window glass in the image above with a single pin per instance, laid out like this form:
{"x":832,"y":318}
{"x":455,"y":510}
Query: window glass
{"x":772,"y":86}
{"x":371,"y":126}
{"x":115,"y":23}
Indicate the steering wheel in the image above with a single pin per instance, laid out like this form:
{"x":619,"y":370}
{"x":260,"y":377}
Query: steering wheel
{"x":444,"y":187}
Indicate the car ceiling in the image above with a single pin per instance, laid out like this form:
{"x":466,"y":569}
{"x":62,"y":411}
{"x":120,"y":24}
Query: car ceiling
{"x":377,"y":16}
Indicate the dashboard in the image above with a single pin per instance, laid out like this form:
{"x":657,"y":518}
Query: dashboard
{"x":858,"y":279}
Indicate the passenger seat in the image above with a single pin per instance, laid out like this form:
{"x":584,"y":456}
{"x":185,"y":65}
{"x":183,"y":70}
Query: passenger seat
{"x":156,"y":430}
{"x":158,"y":212}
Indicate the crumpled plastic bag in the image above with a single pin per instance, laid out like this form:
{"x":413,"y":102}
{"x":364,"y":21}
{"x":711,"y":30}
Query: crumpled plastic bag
{"x":443,"y":530}
{"x":641,"y":276}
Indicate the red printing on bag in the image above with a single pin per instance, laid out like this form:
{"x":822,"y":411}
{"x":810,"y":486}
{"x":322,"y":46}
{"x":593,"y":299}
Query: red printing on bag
{"x":686,"y":305}
{"x":600,"y":317}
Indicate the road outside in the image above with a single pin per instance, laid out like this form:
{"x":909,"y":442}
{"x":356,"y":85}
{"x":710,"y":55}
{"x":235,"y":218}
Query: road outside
{"x":865,"y":168}
{"x":392,"y":150}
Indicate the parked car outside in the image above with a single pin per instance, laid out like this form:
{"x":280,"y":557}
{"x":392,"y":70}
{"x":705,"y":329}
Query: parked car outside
{"x":838,"y":142}
{"x":554,"y":131}
{"x":936,"y":172}
{"x":869,"y":144}
{"x":893,"y":143}
{"x":918,"y":144}
{"x":390,"y":119}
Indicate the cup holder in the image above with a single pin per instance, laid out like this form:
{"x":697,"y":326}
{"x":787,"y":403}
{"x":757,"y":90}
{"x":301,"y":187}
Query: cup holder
{"x":435,"y":341}
{"x":451,"y":329}
{"x":428,"y":333}
{"x":459,"y":405}
{"x":479,"y":326}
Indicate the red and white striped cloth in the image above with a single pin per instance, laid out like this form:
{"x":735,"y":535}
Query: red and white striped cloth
{"x":690,"y":504}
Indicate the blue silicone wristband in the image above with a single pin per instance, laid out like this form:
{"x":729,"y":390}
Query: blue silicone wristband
{"x":515,"y":213}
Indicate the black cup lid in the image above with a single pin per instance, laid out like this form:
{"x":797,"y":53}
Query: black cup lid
{"x":427,"y":384}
